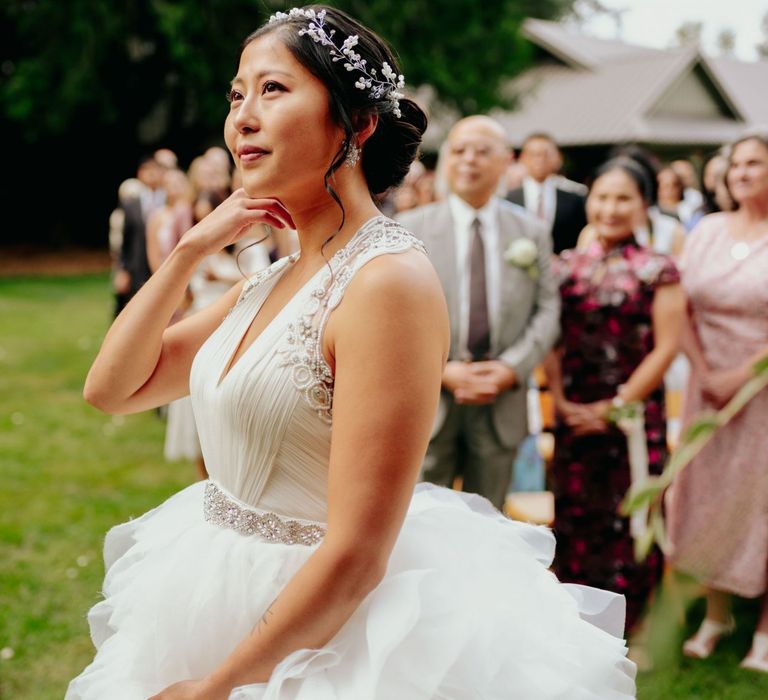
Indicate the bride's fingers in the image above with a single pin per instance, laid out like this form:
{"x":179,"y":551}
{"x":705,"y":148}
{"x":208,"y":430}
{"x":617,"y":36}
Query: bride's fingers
{"x":274,"y":206}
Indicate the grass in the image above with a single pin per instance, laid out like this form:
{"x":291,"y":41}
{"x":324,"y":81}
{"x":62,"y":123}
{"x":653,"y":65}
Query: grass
{"x":69,"y":473}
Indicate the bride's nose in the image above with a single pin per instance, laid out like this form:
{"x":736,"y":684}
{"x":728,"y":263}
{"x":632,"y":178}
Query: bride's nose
{"x":247,"y":118}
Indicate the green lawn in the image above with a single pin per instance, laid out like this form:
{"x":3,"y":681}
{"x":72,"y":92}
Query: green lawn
{"x":69,"y":473}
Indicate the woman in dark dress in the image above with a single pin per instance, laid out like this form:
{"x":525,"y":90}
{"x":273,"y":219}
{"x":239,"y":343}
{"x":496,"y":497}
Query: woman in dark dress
{"x":622,"y":308}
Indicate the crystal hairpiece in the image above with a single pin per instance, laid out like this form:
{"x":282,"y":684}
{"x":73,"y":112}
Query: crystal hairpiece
{"x":387,"y":89}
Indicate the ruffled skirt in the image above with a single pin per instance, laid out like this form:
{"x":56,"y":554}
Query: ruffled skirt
{"x":467,"y":610}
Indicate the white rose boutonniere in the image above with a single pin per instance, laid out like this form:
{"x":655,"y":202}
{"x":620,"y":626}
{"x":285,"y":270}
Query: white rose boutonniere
{"x":523,"y":253}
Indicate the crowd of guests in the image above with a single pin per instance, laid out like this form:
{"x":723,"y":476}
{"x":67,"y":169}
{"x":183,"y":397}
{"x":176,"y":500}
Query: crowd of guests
{"x":637,"y":280}
{"x":643,"y":281}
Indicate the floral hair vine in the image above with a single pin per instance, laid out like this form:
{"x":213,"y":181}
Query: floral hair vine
{"x":389,"y":88}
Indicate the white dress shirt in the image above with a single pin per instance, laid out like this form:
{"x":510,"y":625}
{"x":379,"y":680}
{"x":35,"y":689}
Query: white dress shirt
{"x":463,"y":215}
{"x":533,"y":191}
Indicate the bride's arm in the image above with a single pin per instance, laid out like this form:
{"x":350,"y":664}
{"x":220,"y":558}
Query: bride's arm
{"x":389,"y":341}
{"x":142,"y":362}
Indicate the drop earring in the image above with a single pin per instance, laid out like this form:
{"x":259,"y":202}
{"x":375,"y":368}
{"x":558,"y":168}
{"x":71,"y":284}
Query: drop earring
{"x":353,"y":155}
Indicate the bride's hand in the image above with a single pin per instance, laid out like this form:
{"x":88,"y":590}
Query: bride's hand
{"x":232,"y":219}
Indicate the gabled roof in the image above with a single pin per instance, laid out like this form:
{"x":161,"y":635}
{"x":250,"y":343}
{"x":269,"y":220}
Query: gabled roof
{"x":747,"y":83}
{"x":579,"y":50}
{"x":605,"y":92}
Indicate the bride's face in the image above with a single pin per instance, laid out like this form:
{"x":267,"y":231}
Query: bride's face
{"x":279,"y":129}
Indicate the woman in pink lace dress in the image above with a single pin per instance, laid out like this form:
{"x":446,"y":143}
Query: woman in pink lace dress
{"x":718,"y":506}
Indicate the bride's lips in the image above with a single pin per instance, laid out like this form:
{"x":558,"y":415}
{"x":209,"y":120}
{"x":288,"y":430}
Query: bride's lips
{"x":251,"y":154}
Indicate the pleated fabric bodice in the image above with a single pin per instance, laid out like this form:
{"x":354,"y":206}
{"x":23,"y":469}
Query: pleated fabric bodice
{"x":265,"y":427}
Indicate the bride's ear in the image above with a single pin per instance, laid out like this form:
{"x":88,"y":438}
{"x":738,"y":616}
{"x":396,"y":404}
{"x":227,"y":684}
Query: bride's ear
{"x":364,"y":126}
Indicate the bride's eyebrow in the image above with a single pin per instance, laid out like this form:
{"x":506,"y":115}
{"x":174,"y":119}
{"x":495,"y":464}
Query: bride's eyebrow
{"x":262,"y":74}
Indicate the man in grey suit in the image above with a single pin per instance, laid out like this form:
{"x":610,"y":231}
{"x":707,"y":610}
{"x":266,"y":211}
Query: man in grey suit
{"x":493,"y":259}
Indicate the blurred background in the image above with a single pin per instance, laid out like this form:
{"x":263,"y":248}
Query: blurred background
{"x":87,"y":87}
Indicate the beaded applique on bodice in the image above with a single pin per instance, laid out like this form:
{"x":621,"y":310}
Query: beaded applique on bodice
{"x":265,"y":426}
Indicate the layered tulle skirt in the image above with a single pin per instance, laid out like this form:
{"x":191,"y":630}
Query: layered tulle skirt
{"x":467,"y":610}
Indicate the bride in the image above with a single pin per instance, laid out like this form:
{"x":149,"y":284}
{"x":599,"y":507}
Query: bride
{"x":308,"y":567}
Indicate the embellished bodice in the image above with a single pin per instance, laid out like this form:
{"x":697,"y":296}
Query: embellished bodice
{"x":265,"y":427}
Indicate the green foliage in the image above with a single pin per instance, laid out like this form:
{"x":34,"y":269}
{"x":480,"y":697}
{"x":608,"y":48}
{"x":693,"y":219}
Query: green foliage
{"x":650,"y":491}
{"x":160,"y":65}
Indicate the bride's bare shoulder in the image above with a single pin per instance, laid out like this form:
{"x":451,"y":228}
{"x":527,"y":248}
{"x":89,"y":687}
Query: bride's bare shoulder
{"x":400,"y":291}
{"x":402,"y":276}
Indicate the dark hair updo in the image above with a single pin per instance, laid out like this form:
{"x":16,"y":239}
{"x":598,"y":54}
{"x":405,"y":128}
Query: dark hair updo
{"x":389,"y":151}
{"x":631,"y":169}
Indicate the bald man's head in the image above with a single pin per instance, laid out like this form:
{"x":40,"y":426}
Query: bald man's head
{"x":480,"y":124}
{"x":476,"y":157}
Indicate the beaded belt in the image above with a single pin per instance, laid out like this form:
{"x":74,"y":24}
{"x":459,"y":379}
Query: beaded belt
{"x":222,"y":510}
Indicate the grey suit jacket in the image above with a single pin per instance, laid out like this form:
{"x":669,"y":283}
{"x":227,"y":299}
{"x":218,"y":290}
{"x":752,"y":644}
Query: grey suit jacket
{"x":529,"y":316}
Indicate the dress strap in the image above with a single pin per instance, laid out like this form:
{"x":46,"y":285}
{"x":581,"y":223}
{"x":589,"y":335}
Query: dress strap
{"x":303,"y":349}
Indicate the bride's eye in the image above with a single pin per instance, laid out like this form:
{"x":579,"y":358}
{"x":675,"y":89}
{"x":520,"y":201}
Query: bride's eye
{"x":271,"y":86}
{"x":234,"y":95}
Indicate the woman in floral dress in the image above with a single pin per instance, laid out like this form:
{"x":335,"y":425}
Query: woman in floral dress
{"x":621,"y":310}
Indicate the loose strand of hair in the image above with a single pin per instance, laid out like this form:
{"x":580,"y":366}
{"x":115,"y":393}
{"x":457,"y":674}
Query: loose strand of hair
{"x":267,"y":234}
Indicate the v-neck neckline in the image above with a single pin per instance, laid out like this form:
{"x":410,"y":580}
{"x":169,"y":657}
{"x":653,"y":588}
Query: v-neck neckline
{"x":233,"y":363}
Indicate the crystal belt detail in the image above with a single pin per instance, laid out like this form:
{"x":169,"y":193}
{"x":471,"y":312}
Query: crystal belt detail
{"x":222,"y":510}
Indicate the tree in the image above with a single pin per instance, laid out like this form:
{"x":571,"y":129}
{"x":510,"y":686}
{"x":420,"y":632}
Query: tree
{"x":583,"y":10}
{"x":726,"y":42}
{"x":689,"y":33}
{"x":162,"y":64}
{"x":762,"y":47}
{"x":100,"y":83}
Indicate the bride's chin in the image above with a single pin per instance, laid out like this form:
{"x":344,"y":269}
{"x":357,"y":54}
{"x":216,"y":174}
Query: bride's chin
{"x":258,"y":189}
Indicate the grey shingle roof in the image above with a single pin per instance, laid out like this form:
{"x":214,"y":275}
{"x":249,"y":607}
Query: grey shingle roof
{"x":607,"y":92}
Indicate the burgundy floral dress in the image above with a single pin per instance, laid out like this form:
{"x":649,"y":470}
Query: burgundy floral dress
{"x":606,"y":332}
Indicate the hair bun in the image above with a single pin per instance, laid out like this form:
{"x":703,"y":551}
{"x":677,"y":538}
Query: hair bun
{"x":389,"y":152}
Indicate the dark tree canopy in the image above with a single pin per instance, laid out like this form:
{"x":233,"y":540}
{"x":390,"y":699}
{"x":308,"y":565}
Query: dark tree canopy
{"x":163,"y":63}
{"x":143,"y":73}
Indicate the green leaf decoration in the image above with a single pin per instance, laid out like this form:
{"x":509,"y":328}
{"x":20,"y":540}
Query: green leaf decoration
{"x":644,"y":544}
{"x":650,"y":492}
{"x":640,"y":495}
{"x":761,"y":366}
{"x":703,"y":426}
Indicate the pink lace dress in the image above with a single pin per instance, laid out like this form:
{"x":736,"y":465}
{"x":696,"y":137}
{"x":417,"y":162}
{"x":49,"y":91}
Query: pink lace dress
{"x":718,"y":507}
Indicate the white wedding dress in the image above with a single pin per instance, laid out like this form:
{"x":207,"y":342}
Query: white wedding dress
{"x":467,"y":609}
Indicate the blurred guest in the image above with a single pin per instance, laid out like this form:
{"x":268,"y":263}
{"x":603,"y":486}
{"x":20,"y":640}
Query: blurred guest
{"x":717,"y":506}
{"x":653,"y":228}
{"x":405,"y":197}
{"x":542,"y":193}
{"x":514,"y":176}
{"x":168,"y":223}
{"x":622,"y":308}
{"x":425,"y":188}
{"x":693,"y":199}
{"x":129,"y":189}
{"x":167,"y":158}
{"x":493,"y":261}
{"x":716,"y":195}
{"x":670,"y":198}
{"x":220,"y":158}
{"x":670,"y":191}
{"x":133,"y":266}
{"x":208,"y":175}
